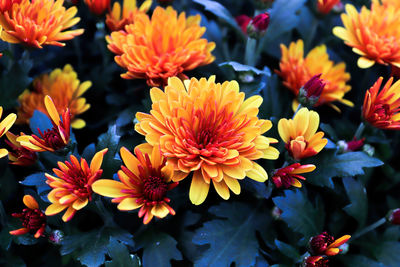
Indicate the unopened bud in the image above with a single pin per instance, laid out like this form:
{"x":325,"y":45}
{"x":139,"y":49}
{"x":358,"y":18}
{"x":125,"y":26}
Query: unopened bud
{"x":56,"y":237}
{"x":370,"y":150}
{"x":310,"y":92}
{"x":258,"y":26}
{"x":276,"y":213}
{"x":394,"y":216}
{"x":243,"y":21}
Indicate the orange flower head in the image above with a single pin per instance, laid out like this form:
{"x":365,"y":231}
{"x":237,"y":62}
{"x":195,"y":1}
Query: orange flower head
{"x":161,"y":47}
{"x":116,"y":20}
{"x":296,"y":70}
{"x":300,"y":135}
{"x":5,"y":5}
{"x":382,"y":109}
{"x":289,"y":176}
{"x":19,"y":155}
{"x":52,"y":139}
{"x":98,"y":7}
{"x":39,"y":22}
{"x":325,"y":244}
{"x":72,"y":189}
{"x":375,"y":39}
{"x":5,"y":125}
{"x":208,"y":129}
{"x":325,"y":6}
{"x":33,"y":219}
{"x":145,"y":181}
{"x":64,"y":88}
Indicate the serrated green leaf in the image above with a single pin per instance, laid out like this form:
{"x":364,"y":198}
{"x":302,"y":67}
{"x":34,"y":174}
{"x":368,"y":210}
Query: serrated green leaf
{"x":120,"y":256}
{"x":109,"y":140}
{"x":358,"y":206}
{"x":233,"y":239}
{"x":287,"y":250}
{"x":38,"y":180}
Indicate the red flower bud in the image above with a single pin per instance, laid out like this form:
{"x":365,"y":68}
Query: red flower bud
{"x":310,"y":92}
{"x":394,"y":217}
{"x":325,"y":244}
{"x":355,"y":144}
{"x":258,"y":25}
{"x":243,"y":21}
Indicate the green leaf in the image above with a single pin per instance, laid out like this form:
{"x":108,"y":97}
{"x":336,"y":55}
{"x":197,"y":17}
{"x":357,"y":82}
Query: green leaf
{"x":158,"y":248}
{"x":330,"y":164}
{"x":109,"y":140}
{"x":359,"y":260}
{"x":358,"y":206}
{"x":388,"y":253}
{"x":120,"y":256}
{"x":40,"y":121}
{"x":38,"y":180}
{"x":287,"y":250}
{"x":245,"y":68}
{"x":233,"y":239}
{"x":298,"y":212}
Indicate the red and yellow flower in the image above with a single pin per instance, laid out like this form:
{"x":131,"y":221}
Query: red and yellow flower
{"x":375,"y":39}
{"x":72,"y":188}
{"x":5,"y":125}
{"x":299,"y":134}
{"x":289,"y":176}
{"x":40,"y":22}
{"x":5,"y":5}
{"x":296,"y":70}
{"x":116,"y":20}
{"x":382,"y":109}
{"x":145,"y":181}
{"x":325,"y":6}
{"x":98,"y":7}
{"x":33,"y":219}
{"x":52,"y":139}
{"x":161,"y":47}
{"x":64,"y":88}
{"x":18,"y":155}
{"x":325,"y":244}
{"x":208,"y":129}
{"x":316,"y":261}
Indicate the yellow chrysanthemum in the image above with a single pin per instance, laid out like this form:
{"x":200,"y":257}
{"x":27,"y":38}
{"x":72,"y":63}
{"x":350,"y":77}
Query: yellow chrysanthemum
{"x":299,"y":134}
{"x":40,"y":22}
{"x":65,"y":89}
{"x":161,"y":47}
{"x":208,"y":129}
{"x":374,"y":33}
{"x":5,"y":125}
{"x":116,"y":20}
{"x":296,"y":70}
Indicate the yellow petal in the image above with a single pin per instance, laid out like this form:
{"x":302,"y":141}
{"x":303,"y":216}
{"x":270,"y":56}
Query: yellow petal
{"x":78,"y":124}
{"x":79,"y":203}
{"x":160,"y":210}
{"x":97,"y":160}
{"x":3,"y":152}
{"x":54,"y":209}
{"x":129,"y":204}
{"x":222,"y":189}
{"x":257,"y":173}
{"x":30,"y":202}
{"x":365,"y":63}
{"x":109,"y":188}
{"x":198,"y":189}
{"x":233,"y":184}
{"x":68,"y":214}
{"x":51,"y":109}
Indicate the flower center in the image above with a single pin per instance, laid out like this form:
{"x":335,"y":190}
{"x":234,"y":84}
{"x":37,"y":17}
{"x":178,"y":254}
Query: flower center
{"x":32,"y":219}
{"x":53,"y":138}
{"x":155,"y":188}
{"x":77,"y":181}
{"x":383,"y":111}
{"x":319,"y":243}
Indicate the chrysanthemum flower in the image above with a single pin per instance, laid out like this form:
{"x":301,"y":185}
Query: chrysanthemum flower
{"x":98,"y":7}
{"x":33,"y":219}
{"x":296,"y":70}
{"x":382,"y":109}
{"x":5,"y":125}
{"x":72,"y":189}
{"x":145,"y":181}
{"x":18,"y":155}
{"x":300,"y":135}
{"x":375,"y":39}
{"x":161,"y":47}
{"x":325,"y":6}
{"x":40,"y":22}
{"x":5,"y":5}
{"x":325,"y":244}
{"x":209,"y":129}
{"x":51,"y":139}
{"x":116,"y":20}
{"x":289,"y":176}
{"x":64,"y":88}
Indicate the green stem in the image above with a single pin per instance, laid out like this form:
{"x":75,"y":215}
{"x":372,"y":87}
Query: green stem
{"x":369,"y":228}
{"x":359,"y":131}
{"x":249,"y":56}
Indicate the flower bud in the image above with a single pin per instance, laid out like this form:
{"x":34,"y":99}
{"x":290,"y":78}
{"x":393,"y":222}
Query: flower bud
{"x":315,"y":261}
{"x":319,"y":243}
{"x":243,"y":21}
{"x":355,"y":144}
{"x":394,"y":217}
{"x":276,"y":213}
{"x":309,"y":94}
{"x":56,"y":237}
{"x":258,"y":25}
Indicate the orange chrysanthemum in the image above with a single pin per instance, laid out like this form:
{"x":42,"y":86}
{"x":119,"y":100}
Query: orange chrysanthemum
{"x":209,"y":129}
{"x":296,"y":70}
{"x":161,"y":47}
{"x":300,"y":135}
{"x":116,"y":20}
{"x":145,"y":181}
{"x":39,"y":22}
{"x":72,"y":190}
{"x":373,"y":33}
{"x":5,"y":5}
{"x":382,"y":109}
{"x":5,"y":125}
{"x":98,"y":7}
{"x":325,"y":6}
{"x":65,"y":89}
{"x":52,"y":139}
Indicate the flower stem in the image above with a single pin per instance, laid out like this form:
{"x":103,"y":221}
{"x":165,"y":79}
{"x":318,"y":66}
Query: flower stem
{"x":359,"y":131}
{"x":249,"y":56}
{"x":369,"y":228}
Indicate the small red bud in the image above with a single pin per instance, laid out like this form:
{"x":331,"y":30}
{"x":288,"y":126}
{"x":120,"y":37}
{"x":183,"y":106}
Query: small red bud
{"x":258,"y":25}
{"x":311,"y":91}
{"x":394,"y":217}
{"x":243,"y":21}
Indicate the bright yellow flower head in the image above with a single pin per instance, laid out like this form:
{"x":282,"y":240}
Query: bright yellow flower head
{"x":300,"y":135}
{"x":65,"y":89}
{"x":374,"y":33}
{"x":5,"y":125}
{"x":208,"y":129}
{"x":161,"y":47}
{"x":40,"y":22}
{"x":116,"y":20}
{"x":296,"y":70}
